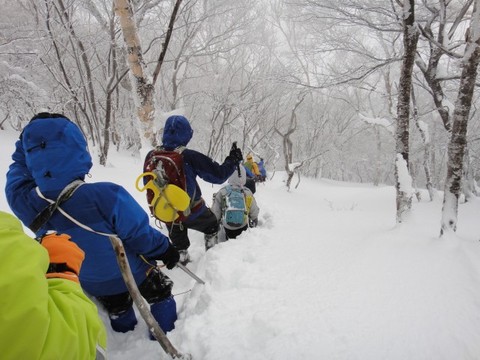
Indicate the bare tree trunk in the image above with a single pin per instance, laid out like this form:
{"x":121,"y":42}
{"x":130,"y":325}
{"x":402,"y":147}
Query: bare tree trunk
{"x":410,"y":40}
{"x":378,"y":162}
{"x":144,"y":90}
{"x":430,"y":71}
{"x":458,"y":140}
{"x":437,"y":23}
{"x":109,"y":93}
{"x":91,"y":102}
{"x":221,"y":118}
{"x":167,"y":41}
{"x":7,"y":115}
{"x":469,"y":184}
{"x":287,"y":142}
{"x":426,"y":149}
{"x":68,"y":83}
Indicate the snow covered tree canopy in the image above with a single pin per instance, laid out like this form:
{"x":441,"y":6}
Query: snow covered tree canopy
{"x":236,"y":70}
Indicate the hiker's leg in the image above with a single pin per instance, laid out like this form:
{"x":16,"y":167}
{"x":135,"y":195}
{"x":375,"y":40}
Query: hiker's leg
{"x":179,"y":235}
{"x":211,"y":240}
{"x":206,"y":223}
{"x":232,"y":234}
{"x":157,"y":290}
{"x":120,"y":311}
{"x":250,"y":183}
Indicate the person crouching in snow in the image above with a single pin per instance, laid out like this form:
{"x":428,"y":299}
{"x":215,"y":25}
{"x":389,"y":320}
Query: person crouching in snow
{"x":45,"y":313}
{"x":235,"y":206}
{"x":50,"y":157}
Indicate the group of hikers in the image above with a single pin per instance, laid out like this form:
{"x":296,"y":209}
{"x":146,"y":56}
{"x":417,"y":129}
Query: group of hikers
{"x":73,"y":220}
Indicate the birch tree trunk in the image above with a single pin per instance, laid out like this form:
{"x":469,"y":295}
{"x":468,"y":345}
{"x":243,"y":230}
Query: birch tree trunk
{"x":410,"y":40}
{"x":458,"y":140}
{"x":144,"y":90}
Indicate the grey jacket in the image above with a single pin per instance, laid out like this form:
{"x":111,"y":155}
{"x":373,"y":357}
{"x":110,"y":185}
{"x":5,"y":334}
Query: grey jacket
{"x":218,"y":206}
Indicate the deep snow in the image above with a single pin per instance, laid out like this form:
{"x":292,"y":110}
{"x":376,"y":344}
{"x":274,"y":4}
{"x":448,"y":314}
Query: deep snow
{"x":326,"y":275}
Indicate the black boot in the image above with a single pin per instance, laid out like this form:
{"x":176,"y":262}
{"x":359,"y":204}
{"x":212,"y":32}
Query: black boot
{"x":211,"y":240}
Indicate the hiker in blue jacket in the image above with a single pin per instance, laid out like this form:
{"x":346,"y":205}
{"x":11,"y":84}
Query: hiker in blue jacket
{"x":263,"y":171}
{"x":177,"y":133}
{"x":250,"y":181}
{"x":50,"y":156}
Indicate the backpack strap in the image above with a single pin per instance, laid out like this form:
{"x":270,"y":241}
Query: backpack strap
{"x":180,"y":149}
{"x":248,"y":202}
{"x":72,"y":219}
{"x":228,"y":191}
{"x":45,"y":215}
{"x":193,"y":204}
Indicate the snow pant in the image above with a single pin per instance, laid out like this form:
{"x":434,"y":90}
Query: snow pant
{"x":206,"y":223}
{"x":232,"y":234}
{"x":250,"y":183}
{"x":157,"y":290}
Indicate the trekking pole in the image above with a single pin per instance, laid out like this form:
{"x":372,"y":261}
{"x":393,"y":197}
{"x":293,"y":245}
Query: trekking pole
{"x":234,"y":147}
{"x":141,"y":303}
{"x":189,"y":272}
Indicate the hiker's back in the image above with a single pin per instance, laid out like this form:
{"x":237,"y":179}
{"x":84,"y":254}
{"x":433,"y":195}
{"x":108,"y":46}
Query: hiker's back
{"x":234,"y":204}
{"x":235,"y":214}
{"x":49,"y":158}
{"x":165,"y":180}
{"x":263,"y":171}
{"x":168,"y":165}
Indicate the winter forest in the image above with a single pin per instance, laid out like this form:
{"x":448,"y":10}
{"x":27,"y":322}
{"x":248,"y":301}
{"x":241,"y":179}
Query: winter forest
{"x":362,"y":91}
{"x":376,"y":93}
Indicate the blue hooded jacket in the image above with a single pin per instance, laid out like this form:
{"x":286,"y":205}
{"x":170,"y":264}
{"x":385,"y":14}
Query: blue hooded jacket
{"x":51,"y":153}
{"x":178,"y":132}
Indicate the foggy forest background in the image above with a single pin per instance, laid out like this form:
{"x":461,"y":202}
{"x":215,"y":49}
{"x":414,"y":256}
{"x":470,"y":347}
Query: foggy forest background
{"x":317,"y":88}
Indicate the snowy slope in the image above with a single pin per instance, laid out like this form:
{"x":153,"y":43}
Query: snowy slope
{"x":326,"y":275}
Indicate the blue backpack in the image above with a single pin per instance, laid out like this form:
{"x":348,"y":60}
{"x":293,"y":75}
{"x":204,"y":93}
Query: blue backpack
{"x":235,"y":208}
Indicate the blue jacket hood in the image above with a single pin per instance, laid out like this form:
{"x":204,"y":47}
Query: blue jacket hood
{"x":177,"y":132}
{"x":55,"y":153}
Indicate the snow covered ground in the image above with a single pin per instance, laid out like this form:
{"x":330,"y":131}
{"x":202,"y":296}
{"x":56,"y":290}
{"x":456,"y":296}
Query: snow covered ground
{"x":326,"y":275}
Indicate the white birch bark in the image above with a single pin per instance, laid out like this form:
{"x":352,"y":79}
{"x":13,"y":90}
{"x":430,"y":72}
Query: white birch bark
{"x":143,"y":88}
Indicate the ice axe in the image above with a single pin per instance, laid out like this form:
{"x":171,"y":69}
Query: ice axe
{"x":190,"y":273}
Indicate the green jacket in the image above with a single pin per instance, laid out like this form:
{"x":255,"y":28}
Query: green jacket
{"x":39,"y":318}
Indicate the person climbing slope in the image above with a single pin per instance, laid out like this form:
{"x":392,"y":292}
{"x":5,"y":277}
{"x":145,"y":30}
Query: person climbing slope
{"x":235,"y":206}
{"x":50,"y":162}
{"x":177,"y":133}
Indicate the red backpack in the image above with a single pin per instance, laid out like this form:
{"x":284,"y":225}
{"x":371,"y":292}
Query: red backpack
{"x":169,"y":169}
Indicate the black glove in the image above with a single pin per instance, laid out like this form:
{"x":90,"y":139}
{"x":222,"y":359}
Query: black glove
{"x":170,"y":257}
{"x":252,"y":223}
{"x":236,"y":155}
